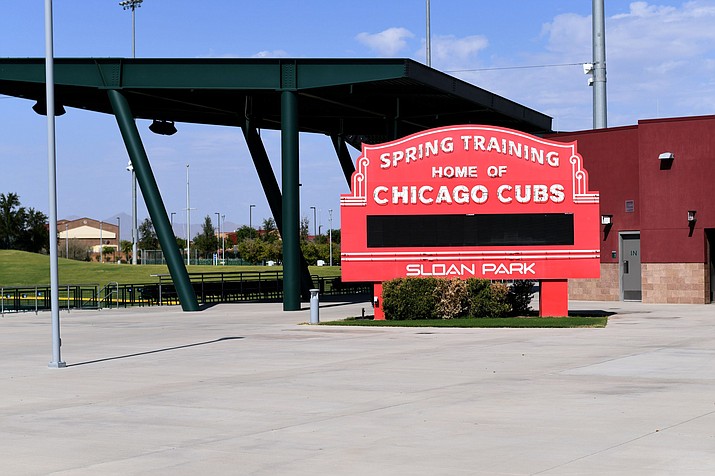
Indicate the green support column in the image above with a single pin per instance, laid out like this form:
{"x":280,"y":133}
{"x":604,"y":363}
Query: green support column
{"x":346,"y":162}
{"x":152,"y":197}
{"x":291,"y":201}
{"x":273,"y":195}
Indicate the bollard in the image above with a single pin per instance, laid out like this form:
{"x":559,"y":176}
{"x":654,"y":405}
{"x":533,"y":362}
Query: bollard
{"x":314,"y":309}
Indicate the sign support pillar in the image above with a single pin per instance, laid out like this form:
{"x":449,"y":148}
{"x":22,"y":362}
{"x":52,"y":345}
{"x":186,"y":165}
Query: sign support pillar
{"x":553,"y":297}
{"x":377,"y":302}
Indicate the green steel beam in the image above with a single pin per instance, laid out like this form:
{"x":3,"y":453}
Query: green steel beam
{"x":273,"y":195}
{"x":346,"y":162}
{"x":291,"y":200}
{"x":154,"y":203}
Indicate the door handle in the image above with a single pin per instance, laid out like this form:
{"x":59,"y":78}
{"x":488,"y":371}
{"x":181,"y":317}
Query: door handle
{"x":625,"y":267}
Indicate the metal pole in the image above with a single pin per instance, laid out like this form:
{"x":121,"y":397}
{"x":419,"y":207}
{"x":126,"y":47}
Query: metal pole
{"x":135,"y":234}
{"x":134,"y":38}
{"x":330,"y":235}
{"x":101,"y":255}
{"x":133,"y":5}
{"x":172,"y":221}
{"x":314,"y":307}
{"x":218,"y":227}
{"x":315,"y":224}
{"x":250,"y":216}
{"x":223,"y":239}
{"x":67,"y":246}
{"x":188,"y":220}
{"x":119,"y":238}
{"x":428,"y":39}
{"x":56,"y":361}
{"x":599,"y":66}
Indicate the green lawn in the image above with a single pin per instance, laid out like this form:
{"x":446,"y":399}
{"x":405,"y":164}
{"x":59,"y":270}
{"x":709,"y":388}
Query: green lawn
{"x":18,"y":268}
{"x":561,"y":322}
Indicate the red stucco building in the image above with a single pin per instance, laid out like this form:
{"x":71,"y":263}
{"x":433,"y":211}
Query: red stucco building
{"x":657,"y":186}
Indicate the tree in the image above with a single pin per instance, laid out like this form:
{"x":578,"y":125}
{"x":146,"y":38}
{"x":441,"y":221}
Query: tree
{"x":246,"y":232}
{"x":304,"y":230}
{"x":77,"y":251}
{"x":206,"y":242}
{"x":147,"y":236}
{"x":180,"y":243}
{"x":336,"y":236}
{"x":126,"y":247}
{"x":21,"y":229}
{"x":107,"y":250}
{"x":252,"y":250}
{"x":270,"y":231}
{"x":36,"y":235}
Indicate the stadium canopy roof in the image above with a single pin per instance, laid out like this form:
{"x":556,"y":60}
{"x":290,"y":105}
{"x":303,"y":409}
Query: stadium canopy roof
{"x":351,"y":97}
{"x":351,"y":100}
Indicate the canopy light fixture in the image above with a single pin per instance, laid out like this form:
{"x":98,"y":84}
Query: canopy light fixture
{"x":606,"y":219}
{"x":691,"y":216}
{"x":41,"y":108}
{"x":164,"y":128}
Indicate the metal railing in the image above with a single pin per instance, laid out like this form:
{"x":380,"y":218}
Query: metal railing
{"x":214,"y":287}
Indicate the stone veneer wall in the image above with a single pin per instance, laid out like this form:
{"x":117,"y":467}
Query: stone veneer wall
{"x":676,"y":283}
{"x":605,"y":288}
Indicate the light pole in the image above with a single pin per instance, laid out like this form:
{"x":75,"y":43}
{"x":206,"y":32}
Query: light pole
{"x":67,"y":242}
{"x":315,"y":224}
{"x":218,"y":236}
{"x":330,"y":234}
{"x":101,"y":255}
{"x":250,"y":215}
{"x":223,"y":239}
{"x":56,"y":361}
{"x":172,"y":222}
{"x":428,"y":38}
{"x":119,"y":237}
{"x":132,"y":5}
{"x":130,"y":168}
{"x":188,"y":220}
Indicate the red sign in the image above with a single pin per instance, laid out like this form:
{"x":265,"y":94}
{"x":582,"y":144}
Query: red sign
{"x":470,"y":201}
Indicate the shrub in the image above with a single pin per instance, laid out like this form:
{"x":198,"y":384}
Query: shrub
{"x":410,"y":298}
{"x":519,"y":297}
{"x":487,"y":299}
{"x":433,"y":298}
{"x":453,"y":298}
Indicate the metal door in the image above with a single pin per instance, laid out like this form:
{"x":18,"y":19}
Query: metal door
{"x":631,"y":267}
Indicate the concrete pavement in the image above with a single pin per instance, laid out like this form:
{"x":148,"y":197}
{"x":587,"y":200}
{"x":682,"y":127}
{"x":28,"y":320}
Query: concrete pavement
{"x":245,"y":389}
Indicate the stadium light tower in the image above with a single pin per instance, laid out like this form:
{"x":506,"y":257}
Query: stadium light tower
{"x":132,"y":5}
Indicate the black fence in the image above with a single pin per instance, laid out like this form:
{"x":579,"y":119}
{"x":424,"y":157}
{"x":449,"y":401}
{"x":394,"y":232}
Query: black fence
{"x":214,"y":287}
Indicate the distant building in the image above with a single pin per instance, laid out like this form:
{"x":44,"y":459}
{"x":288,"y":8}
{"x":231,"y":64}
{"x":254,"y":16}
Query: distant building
{"x":88,"y":233}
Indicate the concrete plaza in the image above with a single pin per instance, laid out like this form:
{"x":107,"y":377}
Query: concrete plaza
{"x":246,"y":389}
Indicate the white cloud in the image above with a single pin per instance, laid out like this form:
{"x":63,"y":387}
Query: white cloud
{"x":450,"y":51}
{"x":659,"y":59}
{"x":388,"y":42}
{"x":271,"y":54}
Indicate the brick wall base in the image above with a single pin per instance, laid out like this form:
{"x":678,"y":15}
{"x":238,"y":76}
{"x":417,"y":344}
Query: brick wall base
{"x":676,"y":283}
{"x":668,"y":283}
{"x":605,"y":288}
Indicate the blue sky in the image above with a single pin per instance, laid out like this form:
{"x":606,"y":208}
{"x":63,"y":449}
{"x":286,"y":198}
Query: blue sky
{"x":660,"y":58}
